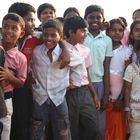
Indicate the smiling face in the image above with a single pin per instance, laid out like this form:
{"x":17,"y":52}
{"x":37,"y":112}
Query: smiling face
{"x":51,"y":37}
{"x":94,"y":19}
{"x":11,"y":32}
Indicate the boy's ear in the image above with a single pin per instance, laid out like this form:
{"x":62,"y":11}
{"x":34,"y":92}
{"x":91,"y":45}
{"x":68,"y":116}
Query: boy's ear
{"x":22,"y":34}
{"x":70,"y":32}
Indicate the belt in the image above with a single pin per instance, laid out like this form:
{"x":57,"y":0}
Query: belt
{"x":76,"y":87}
{"x":8,"y":95}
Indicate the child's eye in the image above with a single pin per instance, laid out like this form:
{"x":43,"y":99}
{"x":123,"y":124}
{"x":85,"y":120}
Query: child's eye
{"x":83,"y":30}
{"x":116,"y":30}
{"x":53,"y":35}
{"x":15,"y":29}
{"x":5,"y":27}
{"x":136,"y":30}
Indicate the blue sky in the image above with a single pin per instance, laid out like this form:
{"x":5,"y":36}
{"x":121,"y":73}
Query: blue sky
{"x":113,"y":8}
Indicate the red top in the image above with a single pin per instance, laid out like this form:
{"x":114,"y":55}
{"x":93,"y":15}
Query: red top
{"x":28,"y":46}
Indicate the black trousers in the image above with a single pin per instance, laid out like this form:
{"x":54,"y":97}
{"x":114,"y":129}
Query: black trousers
{"x":22,"y":106}
{"x":82,"y":114}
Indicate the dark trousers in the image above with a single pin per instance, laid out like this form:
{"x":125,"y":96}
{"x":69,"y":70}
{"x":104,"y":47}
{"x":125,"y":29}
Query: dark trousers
{"x":43,"y":114}
{"x":83,"y":114}
{"x":22,"y":105}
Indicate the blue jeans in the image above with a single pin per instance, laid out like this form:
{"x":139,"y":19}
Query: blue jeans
{"x":58,"y":116}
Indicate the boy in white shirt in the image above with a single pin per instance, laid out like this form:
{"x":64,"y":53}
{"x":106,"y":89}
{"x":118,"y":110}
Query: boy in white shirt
{"x":82,"y":96}
{"x":50,"y":83}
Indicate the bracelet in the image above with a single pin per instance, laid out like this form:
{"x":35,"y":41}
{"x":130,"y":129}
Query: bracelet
{"x":127,"y":109}
{"x":120,"y":98}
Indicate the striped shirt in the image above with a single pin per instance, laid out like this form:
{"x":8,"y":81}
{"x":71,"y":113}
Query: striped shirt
{"x":51,"y":81}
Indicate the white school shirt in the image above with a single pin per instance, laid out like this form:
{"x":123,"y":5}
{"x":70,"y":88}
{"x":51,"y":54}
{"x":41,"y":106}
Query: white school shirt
{"x":50,"y":80}
{"x":117,"y":67}
{"x":120,"y":55}
{"x":79,"y":77}
{"x":85,"y":54}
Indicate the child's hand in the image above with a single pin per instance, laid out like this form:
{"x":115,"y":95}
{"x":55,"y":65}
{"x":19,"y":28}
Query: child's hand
{"x":70,"y":84}
{"x":97,"y":102}
{"x":104,"y":102}
{"x":127,"y":120}
{"x":117,"y":105}
{"x":5,"y":74}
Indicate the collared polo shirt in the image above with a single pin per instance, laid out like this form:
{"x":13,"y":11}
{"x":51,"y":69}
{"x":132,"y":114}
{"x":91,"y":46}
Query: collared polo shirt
{"x":17,"y":63}
{"x":100,"y":47}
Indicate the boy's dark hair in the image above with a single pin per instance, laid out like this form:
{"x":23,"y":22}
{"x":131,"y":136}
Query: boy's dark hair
{"x":113,"y":21}
{"x":43,"y":6}
{"x":70,"y":9}
{"x":74,"y":23}
{"x":94,"y":8}
{"x":54,"y":23}
{"x":61,"y":19}
{"x":21,"y":8}
{"x":137,"y":10}
{"x":15,"y":17}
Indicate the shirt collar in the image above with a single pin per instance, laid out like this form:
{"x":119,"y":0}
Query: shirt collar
{"x":57,"y":50}
{"x":12,"y":50}
{"x":100,"y":35}
{"x":70,"y":46}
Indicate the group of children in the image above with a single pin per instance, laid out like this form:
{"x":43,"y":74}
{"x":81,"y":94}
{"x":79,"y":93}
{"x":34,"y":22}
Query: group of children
{"x":70,"y":73}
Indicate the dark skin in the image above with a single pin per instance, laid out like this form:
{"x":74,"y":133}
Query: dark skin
{"x":29,"y":19}
{"x":64,"y":58}
{"x":127,"y":87}
{"x":15,"y":31}
{"x":104,"y":100}
{"x":94,"y":94}
{"x":95,"y":21}
{"x":116,"y":32}
{"x":117,"y":106}
{"x":73,"y":40}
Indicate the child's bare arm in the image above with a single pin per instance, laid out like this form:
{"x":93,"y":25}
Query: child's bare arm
{"x":94,"y":94}
{"x":127,"y":89}
{"x":64,"y":58}
{"x":106,"y":82}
